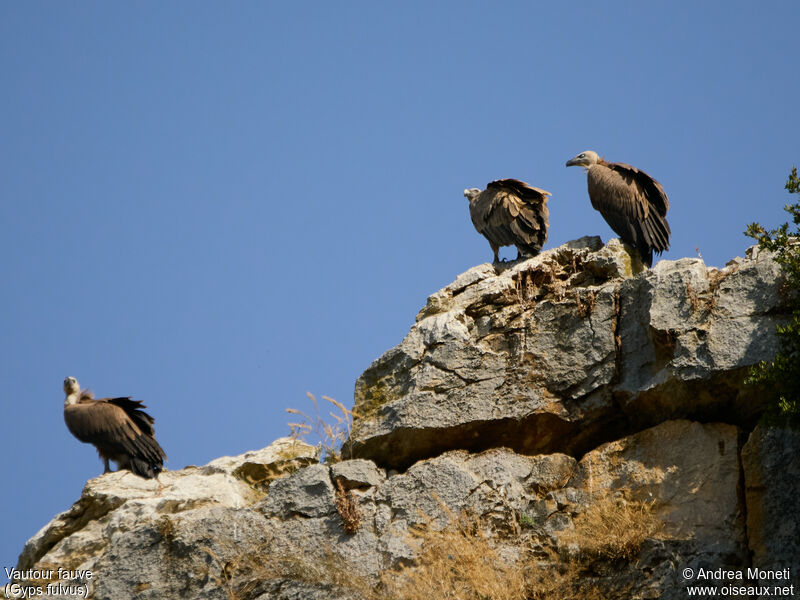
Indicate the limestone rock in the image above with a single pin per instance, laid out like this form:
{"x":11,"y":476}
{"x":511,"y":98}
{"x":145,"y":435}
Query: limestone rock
{"x":492,"y":484}
{"x":119,"y":514}
{"x":292,"y":544}
{"x":771,"y":463}
{"x":357,"y":473}
{"x":689,"y":333}
{"x":566,"y":350}
{"x":690,"y":471}
{"x":308,"y":493}
{"x":260,"y":467}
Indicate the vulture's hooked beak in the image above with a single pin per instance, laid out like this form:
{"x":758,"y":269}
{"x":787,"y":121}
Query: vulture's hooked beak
{"x":573,"y":162}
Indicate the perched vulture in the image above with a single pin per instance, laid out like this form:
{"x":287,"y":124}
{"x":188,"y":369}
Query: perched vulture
{"x":632,"y":203}
{"x":118,"y":427}
{"x":510,"y":212}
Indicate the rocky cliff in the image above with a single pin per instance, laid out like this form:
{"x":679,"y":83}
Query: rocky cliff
{"x":565,"y":426}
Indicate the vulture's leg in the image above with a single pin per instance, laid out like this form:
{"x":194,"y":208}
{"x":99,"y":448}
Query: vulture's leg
{"x":495,"y":249}
{"x":108,"y":468}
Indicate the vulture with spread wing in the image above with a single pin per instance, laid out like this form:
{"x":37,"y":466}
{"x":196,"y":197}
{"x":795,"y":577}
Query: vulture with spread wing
{"x":632,"y":203}
{"x":510,"y":212}
{"x":118,"y":427}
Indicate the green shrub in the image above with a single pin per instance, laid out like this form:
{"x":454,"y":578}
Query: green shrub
{"x":782,"y":375}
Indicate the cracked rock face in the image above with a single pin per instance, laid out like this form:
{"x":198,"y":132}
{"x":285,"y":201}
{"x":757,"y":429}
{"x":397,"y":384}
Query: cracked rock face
{"x":120,"y":518}
{"x":771,"y":464}
{"x":140,"y":543}
{"x":689,"y":470}
{"x":566,"y":350}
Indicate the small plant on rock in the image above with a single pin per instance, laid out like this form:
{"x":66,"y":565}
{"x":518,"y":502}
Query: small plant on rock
{"x":347,"y":507}
{"x":332,"y":436}
{"x":782,"y":375}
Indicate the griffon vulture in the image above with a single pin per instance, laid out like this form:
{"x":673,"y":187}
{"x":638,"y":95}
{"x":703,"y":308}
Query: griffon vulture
{"x":632,"y":203}
{"x":510,"y":212}
{"x":118,"y":427}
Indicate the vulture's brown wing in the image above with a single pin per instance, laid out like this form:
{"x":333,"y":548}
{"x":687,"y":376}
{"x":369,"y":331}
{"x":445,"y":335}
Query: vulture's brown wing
{"x":652,"y":189}
{"x":516,"y":215}
{"x":655,"y":228}
{"x":116,"y":426}
{"x":490,"y":216}
{"x":527,"y":193}
{"x":133,"y":408}
{"x":617,"y":191}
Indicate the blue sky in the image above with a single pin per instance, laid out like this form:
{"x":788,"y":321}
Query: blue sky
{"x":218,"y":207}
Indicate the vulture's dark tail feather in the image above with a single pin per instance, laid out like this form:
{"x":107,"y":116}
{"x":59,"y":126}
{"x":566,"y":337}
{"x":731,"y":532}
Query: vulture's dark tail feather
{"x":646,"y":254}
{"x":144,"y":469}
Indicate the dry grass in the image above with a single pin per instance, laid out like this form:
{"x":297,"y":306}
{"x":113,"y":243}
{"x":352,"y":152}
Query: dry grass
{"x":613,"y":528}
{"x":463,"y":562}
{"x":347,"y":507}
{"x":223,"y":580}
{"x":245,"y":577}
{"x":457,"y":562}
{"x":560,"y":580}
{"x":331,"y":436}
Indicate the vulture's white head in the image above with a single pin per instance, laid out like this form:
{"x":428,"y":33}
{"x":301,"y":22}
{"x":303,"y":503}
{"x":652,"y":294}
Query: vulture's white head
{"x":71,"y":389}
{"x":71,"y":385}
{"x":587,"y":158}
{"x":471,"y":193}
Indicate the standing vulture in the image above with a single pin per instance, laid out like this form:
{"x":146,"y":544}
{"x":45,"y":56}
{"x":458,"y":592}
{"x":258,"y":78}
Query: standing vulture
{"x":510,"y":212}
{"x":118,"y":427}
{"x":632,"y":203}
